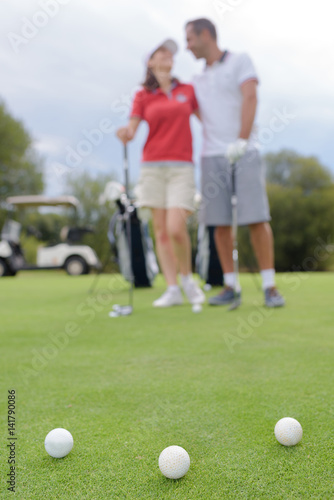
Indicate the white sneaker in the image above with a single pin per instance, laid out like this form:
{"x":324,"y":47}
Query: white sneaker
{"x":193,"y":292}
{"x":169,"y":298}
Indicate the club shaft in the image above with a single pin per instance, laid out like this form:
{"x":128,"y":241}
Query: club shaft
{"x":128,"y":220}
{"x":234,"y":204}
{"x":126,"y":169}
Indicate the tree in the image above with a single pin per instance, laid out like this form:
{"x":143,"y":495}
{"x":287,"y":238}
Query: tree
{"x":91,"y":213}
{"x":301,"y":193}
{"x":302,"y":221}
{"x":20,"y":169}
{"x":289,"y":169}
{"x":303,"y":227}
{"x":44,"y":226}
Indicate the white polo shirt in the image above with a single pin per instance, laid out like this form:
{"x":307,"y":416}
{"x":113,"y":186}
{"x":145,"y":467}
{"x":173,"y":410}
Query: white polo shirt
{"x":219,"y":97}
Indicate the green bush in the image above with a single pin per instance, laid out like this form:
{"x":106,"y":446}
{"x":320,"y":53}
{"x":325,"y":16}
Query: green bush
{"x":30,"y":245}
{"x":303,"y":227}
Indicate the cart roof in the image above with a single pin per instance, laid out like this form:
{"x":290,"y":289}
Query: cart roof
{"x":43,"y":201}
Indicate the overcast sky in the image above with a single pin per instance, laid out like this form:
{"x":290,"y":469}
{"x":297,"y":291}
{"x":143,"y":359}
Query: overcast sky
{"x":69,"y":69}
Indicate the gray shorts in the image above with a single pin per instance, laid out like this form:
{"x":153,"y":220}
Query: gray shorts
{"x":252,"y":206}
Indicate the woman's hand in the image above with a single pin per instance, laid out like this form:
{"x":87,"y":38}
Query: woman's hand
{"x":125,"y":134}
{"x":198,"y":114}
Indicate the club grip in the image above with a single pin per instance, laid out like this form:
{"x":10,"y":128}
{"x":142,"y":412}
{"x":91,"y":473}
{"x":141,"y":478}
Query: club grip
{"x":233,"y":183}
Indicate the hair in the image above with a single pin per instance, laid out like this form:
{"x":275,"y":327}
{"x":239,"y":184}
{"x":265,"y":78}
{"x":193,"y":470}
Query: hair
{"x":150,"y":82}
{"x":201,"y":24}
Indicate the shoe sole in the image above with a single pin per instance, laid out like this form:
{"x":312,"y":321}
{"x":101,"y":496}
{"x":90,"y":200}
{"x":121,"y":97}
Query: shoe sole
{"x":221,"y":303}
{"x":199,"y":301}
{"x":168,"y":305}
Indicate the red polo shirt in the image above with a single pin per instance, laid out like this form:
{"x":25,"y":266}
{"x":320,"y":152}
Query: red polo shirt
{"x":167,"y":115}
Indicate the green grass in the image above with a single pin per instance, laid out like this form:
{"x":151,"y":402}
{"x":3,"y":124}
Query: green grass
{"x":214,"y":383}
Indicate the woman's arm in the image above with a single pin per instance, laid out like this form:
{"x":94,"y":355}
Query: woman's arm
{"x":197,"y":113}
{"x":127,"y":133}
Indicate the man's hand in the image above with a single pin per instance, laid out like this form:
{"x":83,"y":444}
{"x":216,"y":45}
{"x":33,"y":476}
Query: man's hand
{"x":236,"y":150}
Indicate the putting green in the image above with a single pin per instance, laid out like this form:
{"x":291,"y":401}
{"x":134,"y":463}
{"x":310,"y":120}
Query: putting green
{"x":214,"y":382}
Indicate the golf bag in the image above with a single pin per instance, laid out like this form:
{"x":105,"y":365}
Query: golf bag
{"x":207,"y":262}
{"x":139,"y":261}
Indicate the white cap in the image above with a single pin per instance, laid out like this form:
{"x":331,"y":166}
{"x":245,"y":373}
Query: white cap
{"x":168,"y":44}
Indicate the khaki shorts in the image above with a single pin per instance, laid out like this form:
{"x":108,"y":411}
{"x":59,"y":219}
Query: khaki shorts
{"x":166,"y":186}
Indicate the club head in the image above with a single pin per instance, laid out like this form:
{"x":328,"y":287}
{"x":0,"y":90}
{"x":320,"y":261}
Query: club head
{"x":125,"y":310}
{"x":118,"y":310}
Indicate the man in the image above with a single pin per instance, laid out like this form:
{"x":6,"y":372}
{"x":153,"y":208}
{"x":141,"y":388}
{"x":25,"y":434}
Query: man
{"x":227,"y":97}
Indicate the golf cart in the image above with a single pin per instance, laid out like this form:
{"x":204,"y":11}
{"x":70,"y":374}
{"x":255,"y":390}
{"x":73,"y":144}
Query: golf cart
{"x":67,"y":254}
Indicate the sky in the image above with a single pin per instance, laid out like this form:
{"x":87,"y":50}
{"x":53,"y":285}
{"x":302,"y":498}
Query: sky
{"x":69,"y":70}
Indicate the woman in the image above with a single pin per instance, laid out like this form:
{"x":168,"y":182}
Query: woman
{"x":166,"y":183}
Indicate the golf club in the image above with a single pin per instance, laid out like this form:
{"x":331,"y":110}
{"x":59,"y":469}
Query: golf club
{"x":118,"y":310}
{"x":234,"y":203}
{"x":126,"y":310}
{"x":128,"y":214}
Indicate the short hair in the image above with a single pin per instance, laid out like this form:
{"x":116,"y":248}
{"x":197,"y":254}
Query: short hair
{"x":201,"y":24}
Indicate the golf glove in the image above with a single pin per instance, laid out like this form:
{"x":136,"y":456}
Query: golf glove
{"x":236,"y":150}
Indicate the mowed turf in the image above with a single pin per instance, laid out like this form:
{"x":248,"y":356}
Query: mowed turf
{"x":214,"y":383}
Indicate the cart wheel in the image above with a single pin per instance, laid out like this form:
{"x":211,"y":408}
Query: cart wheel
{"x":76,"y":265}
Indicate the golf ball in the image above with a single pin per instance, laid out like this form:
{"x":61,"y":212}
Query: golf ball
{"x":174,"y":462}
{"x":288,"y":431}
{"x":197,"y":308}
{"x":113,"y":314}
{"x":58,"y":443}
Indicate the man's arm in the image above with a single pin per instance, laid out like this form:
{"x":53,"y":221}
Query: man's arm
{"x":248,"y":109}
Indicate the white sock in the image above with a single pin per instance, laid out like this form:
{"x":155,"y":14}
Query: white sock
{"x":229,"y":279}
{"x":173,"y":288}
{"x":185,"y":278}
{"x":268,"y":278}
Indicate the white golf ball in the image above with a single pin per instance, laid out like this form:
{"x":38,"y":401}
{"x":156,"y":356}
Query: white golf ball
{"x":113,"y":314}
{"x":197,"y":308}
{"x":288,"y":431}
{"x":174,"y":462}
{"x":58,"y":443}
